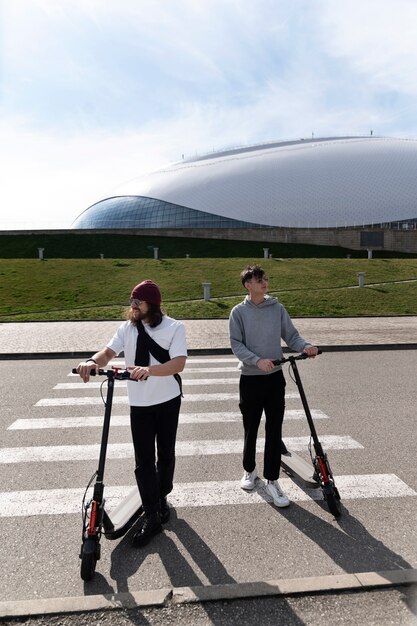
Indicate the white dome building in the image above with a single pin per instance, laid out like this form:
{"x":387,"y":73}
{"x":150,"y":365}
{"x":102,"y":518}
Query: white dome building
{"x":324,"y":183}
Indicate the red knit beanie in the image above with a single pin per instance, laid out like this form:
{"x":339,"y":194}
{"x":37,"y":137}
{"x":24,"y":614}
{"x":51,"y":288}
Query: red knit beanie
{"x":148,"y":291}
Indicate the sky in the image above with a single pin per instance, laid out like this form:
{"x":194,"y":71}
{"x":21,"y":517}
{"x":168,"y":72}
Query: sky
{"x":94,"y":93}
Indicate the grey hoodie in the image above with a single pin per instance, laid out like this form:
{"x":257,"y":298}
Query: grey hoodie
{"x":256,"y":331}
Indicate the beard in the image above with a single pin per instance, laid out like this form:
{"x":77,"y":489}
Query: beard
{"x":138,"y":315}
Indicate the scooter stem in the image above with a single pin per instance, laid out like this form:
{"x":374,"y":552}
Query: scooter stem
{"x":106,"y":427}
{"x":317,"y":445}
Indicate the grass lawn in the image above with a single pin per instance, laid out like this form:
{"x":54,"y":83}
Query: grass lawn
{"x":82,"y":289}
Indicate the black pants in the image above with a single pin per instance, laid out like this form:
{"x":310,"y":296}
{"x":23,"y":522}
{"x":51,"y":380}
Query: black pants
{"x":258,"y":394}
{"x":149,"y":424}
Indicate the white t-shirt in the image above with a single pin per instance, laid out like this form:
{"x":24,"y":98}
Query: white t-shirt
{"x":170,"y":335}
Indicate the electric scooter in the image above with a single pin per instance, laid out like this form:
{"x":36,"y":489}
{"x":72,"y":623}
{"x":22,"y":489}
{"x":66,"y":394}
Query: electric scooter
{"x":96,"y":520}
{"x":319,"y":473}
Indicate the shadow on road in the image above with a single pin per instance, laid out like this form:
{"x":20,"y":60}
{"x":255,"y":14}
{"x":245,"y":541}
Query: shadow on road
{"x":188,"y":562}
{"x":349,"y":544}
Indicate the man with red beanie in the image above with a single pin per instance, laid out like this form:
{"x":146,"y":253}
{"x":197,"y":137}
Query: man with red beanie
{"x":155,"y":351}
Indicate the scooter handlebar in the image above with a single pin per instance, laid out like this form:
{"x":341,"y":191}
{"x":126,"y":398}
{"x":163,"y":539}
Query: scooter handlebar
{"x":117,"y":374}
{"x":298,"y":357}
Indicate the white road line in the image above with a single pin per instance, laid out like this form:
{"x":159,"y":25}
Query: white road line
{"x":42,"y":454}
{"x":190,"y":382}
{"x":188,"y":397}
{"x":219,"y":493}
{"x":116,"y":420}
{"x":214,"y":370}
{"x":192,"y":361}
{"x":199,"y":370}
{"x":94,"y":421}
{"x":213,"y":359}
{"x":298,"y":414}
{"x":198,"y":397}
{"x":234,"y":365}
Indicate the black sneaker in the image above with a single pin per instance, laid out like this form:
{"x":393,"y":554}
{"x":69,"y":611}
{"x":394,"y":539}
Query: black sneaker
{"x":165,"y":511}
{"x":151,"y":526}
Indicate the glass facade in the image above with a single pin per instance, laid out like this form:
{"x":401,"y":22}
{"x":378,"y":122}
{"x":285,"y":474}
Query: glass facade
{"x":140,"y":212}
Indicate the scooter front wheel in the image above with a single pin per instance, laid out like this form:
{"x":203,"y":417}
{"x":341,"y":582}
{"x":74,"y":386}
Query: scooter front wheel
{"x":89,"y":556}
{"x":332,"y":497}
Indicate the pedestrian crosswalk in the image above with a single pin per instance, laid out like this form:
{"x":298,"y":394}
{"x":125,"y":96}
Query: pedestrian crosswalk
{"x":92,"y":421}
{"x":46,"y":454}
{"x":92,"y":400}
{"x":194,"y":382}
{"x":209,"y":493}
{"x":205,"y":405}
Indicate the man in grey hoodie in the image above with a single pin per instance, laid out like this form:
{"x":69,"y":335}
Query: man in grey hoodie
{"x":256,"y":328}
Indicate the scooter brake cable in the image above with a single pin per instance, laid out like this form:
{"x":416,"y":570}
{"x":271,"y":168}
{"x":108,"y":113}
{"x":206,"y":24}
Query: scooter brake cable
{"x":290,"y":372}
{"x":101,"y":390}
{"x":83,"y":506}
{"x":309,"y":448}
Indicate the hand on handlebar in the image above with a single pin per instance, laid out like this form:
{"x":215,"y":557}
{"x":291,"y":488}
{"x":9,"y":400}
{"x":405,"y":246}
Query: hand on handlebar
{"x":265,"y":365}
{"x":139,"y":372}
{"x":84,"y":370}
{"x":311,"y":351}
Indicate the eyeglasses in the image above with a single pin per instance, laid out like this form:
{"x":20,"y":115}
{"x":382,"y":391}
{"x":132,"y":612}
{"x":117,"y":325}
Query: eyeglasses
{"x":135,"y":302}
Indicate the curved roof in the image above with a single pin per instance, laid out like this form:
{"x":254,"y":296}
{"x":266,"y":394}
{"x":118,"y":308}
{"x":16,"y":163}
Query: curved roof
{"x":324,"y":182}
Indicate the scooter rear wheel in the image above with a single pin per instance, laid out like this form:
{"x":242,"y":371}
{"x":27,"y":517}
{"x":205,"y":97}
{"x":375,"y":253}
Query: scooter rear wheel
{"x":89,"y":555}
{"x":332,"y":497}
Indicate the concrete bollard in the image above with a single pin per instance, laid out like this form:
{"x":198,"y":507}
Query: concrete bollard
{"x":155,"y":253}
{"x":361,"y":279}
{"x":206,"y":291}
{"x":101,"y":255}
{"x":40,"y":252}
{"x":266,"y":253}
{"x":369,"y":254}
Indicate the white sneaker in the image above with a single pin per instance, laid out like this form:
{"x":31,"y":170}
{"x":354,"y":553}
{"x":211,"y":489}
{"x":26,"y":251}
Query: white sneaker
{"x":279,"y":498}
{"x":248,"y":480}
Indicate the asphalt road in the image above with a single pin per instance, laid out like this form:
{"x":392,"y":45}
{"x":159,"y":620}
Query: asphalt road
{"x":218,"y":534}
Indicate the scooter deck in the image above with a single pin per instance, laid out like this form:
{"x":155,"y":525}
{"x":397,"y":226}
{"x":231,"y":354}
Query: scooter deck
{"x":295,"y":465}
{"x":124,"y":515}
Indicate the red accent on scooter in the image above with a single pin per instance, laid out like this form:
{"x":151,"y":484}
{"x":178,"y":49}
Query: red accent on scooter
{"x":92,"y":527}
{"x":323,"y":470}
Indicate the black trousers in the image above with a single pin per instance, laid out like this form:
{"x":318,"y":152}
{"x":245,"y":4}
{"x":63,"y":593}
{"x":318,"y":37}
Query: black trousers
{"x":258,"y":394}
{"x":149,"y":424}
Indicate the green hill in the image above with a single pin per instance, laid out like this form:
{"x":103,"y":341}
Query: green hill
{"x":81,"y":289}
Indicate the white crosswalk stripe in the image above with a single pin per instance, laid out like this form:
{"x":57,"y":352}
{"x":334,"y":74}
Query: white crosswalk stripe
{"x":81,"y":401}
{"x":200,"y":494}
{"x":182,"y":448}
{"x":194,"y":397}
{"x":231,"y":369}
{"x":187,"y":382}
{"x":194,"y":360}
{"x":204,"y":360}
{"x":96,"y":421}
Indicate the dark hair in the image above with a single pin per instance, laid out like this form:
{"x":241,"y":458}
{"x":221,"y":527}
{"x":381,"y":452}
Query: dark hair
{"x":155,"y":315}
{"x":252,"y":271}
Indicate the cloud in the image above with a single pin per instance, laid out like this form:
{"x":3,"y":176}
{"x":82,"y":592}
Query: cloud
{"x":47,"y":180}
{"x":376,"y":39}
{"x":114,"y":64}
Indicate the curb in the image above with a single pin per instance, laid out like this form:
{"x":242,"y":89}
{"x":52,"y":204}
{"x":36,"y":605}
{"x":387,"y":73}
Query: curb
{"x":20,"y":356}
{"x":362,"y":581}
